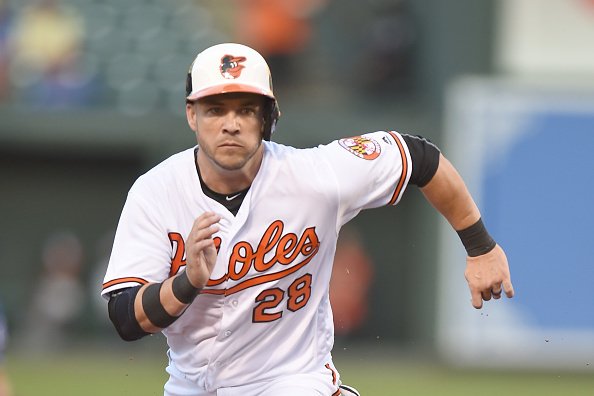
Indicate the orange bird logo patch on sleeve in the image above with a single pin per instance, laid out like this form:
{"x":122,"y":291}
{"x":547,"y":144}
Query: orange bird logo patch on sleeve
{"x":361,"y":146}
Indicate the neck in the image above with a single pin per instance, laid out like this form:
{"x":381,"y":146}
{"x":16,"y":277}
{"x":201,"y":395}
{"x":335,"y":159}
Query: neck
{"x":226,"y":181}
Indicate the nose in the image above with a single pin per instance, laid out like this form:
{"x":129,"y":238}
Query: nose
{"x":231,"y":123}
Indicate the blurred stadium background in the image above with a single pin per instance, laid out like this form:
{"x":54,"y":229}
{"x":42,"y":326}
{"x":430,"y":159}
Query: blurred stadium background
{"x":92,"y":96}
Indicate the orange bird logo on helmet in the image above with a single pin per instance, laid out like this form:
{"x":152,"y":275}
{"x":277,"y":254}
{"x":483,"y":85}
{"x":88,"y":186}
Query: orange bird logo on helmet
{"x":231,"y":66}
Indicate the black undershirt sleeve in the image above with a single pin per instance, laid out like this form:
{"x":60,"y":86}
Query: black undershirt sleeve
{"x":425,"y":159}
{"x":122,"y":315}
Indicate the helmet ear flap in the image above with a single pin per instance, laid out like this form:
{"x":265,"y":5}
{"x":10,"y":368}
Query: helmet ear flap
{"x":271,"y":115}
{"x":189,"y":83}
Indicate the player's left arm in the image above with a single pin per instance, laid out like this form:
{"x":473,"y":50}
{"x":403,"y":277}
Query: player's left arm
{"x":487,"y":271}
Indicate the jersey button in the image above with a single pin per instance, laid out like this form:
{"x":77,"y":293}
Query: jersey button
{"x":228,"y":333}
{"x":234,"y":303}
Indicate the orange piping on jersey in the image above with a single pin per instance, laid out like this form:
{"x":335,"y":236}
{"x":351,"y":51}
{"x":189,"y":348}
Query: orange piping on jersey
{"x":404,"y":170}
{"x":124,"y":280}
{"x":337,"y":393}
{"x":333,"y":373}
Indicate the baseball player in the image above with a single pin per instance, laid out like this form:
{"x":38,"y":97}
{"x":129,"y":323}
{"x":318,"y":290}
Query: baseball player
{"x":227,"y":247}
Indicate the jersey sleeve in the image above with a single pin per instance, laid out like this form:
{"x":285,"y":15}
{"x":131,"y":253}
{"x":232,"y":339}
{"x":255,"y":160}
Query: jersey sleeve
{"x":141,"y":251}
{"x":370,"y":171}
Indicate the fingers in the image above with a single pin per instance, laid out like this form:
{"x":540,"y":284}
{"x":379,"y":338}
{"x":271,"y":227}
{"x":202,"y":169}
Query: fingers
{"x":203,"y":244}
{"x":488,"y":276}
{"x":201,"y":253}
{"x":508,"y":288}
{"x":479,"y":295}
{"x":205,"y":225}
{"x":505,"y":286}
{"x":200,"y":238}
{"x":477,"y":299}
{"x":496,"y":291}
{"x":493,"y":292}
{"x":486,"y":295}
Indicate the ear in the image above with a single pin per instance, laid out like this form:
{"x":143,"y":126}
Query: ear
{"x":191,"y":115}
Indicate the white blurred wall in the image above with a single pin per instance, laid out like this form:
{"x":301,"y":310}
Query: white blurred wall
{"x":545,"y":37}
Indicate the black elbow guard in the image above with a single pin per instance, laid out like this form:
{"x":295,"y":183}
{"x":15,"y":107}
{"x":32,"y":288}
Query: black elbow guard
{"x":425,"y":159}
{"x":121,"y":314}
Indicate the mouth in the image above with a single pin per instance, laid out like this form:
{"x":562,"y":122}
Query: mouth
{"x":229,"y":144}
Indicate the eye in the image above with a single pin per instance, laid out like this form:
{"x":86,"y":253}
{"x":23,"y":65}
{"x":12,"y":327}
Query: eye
{"x":249,"y":110}
{"x":214,"y":110}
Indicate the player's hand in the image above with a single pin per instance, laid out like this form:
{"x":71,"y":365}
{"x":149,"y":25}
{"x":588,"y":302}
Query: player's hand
{"x":201,"y":253}
{"x":487,"y":276}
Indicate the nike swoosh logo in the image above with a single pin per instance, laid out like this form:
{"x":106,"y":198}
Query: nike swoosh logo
{"x":231,"y":198}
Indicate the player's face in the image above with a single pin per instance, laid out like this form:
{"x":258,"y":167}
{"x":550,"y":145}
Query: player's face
{"x":228,"y":128}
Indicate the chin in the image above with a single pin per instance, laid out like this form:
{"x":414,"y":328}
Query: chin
{"x":231,"y":164}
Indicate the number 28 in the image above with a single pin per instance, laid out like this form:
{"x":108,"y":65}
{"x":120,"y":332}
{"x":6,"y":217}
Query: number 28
{"x":298,"y":295}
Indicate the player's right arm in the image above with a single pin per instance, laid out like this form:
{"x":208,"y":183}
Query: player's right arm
{"x":138,"y":311}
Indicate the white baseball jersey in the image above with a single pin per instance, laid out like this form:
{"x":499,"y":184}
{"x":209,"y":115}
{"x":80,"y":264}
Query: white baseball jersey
{"x":265,"y":312}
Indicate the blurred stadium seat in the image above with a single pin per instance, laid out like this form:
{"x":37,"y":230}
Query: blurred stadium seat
{"x":138,"y":51}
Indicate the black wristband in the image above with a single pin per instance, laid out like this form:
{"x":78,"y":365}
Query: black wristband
{"x":183,"y":290}
{"x":154,"y":309}
{"x":476,"y":239}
